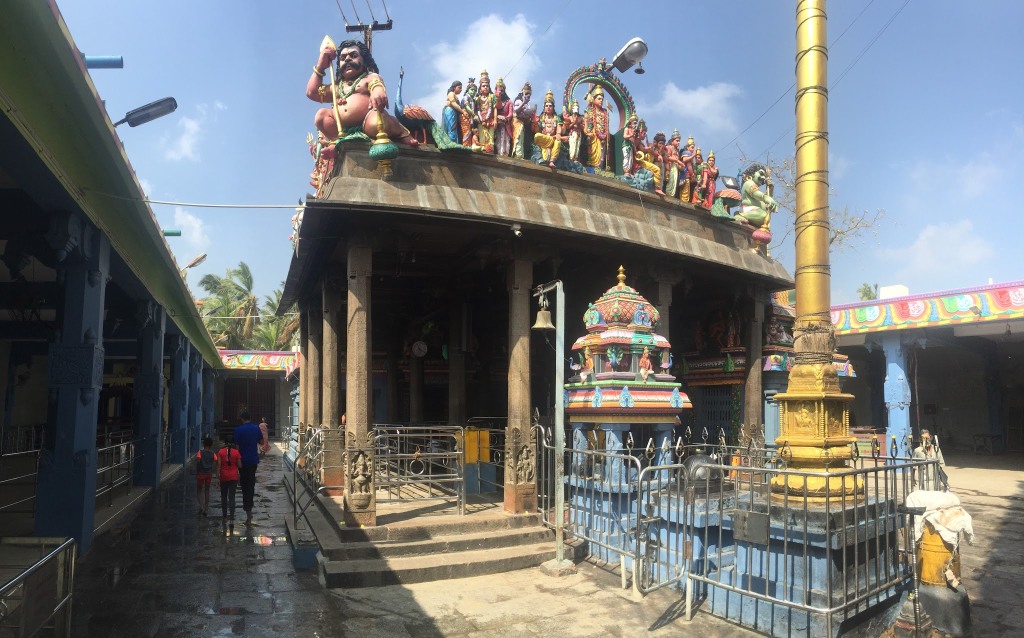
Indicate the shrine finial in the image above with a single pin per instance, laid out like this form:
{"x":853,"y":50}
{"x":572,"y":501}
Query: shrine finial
{"x":622,"y":276}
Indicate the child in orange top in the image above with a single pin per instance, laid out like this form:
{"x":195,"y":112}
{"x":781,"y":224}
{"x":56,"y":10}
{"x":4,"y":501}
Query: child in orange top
{"x":204,"y":473}
{"x":228,"y":461}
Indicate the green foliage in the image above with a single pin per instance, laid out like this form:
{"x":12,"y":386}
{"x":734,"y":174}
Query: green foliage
{"x":867,"y":292}
{"x":235,"y":318}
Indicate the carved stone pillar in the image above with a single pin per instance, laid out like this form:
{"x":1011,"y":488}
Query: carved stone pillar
{"x":314,"y":387}
{"x":149,"y":394}
{"x":360,"y":500}
{"x":66,"y":488}
{"x":177,"y":401}
{"x":333,"y":473}
{"x":415,"y":389}
{"x":520,"y":457}
{"x":303,"y":377}
{"x":753,"y":399}
{"x":456,"y":366}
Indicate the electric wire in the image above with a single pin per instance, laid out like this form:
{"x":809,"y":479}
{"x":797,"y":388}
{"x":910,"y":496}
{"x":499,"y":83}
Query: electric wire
{"x":845,"y":71}
{"x":146,"y":200}
{"x":544,"y":32}
{"x":793,"y":85}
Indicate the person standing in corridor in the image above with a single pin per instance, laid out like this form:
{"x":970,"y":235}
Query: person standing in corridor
{"x":247,"y":437}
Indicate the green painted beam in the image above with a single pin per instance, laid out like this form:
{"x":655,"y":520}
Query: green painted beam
{"x":48,"y":95}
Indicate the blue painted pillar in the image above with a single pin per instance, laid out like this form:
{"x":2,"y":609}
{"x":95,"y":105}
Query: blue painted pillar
{"x":897,"y":392}
{"x":616,"y":471}
{"x":149,"y":395}
{"x":208,"y":377}
{"x":66,"y":492}
{"x":177,"y":419}
{"x":774,"y":383}
{"x":195,"y":401}
{"x":580,"y":463}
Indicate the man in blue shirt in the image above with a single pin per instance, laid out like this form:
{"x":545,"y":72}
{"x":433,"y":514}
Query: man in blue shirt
{"x":247,"y":437}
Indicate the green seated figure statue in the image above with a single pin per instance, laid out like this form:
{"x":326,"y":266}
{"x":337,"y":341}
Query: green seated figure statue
{"x":756,"y":206}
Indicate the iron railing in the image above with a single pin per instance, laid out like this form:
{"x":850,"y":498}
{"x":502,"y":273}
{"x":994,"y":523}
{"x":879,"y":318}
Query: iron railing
{"x":418,"y":463}
{"x":39,"y":598}
{"x":114,"y":465}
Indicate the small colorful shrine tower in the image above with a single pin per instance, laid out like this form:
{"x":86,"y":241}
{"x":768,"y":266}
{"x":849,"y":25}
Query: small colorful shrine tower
{"x":622,"y":378}
{"x":622,"y":373}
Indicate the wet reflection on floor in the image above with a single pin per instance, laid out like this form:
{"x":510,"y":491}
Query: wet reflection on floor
{"x":173,"y":572}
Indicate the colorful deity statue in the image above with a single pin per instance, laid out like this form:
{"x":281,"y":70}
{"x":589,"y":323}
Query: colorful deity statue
{"x":698,"y":166}
{"x":357,"y":95}
{"x":486,"y":111}
{"x":687,"y":176}
{"x":502,"y":120}
{"x":629,"y":148}
{"x":452,"y":113}
{"x":523,"y":113}
{"x":549,"y":135}
{"x":672,"y":164}
{"x":595,"y":128}
{"x":657,"y":153}
{"x":468,"y":115}
{"x":708,"y":181}
{"x":756,"y":206}
{"x":572,"y":127}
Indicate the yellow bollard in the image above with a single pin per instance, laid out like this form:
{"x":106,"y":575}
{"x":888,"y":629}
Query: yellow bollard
{"x":933,"y":556}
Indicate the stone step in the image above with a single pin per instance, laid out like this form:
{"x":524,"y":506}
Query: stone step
{"x":449,"y":544}
{"x":420,"y":529}
{"x":418,"y":569}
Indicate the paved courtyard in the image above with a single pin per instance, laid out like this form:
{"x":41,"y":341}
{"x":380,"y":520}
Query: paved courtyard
{"x":170,"y":572}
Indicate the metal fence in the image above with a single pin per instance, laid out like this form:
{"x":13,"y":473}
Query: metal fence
{"x":114,"y":466}
{"x":38,"y":600}
{"x":419,"y":463}
{"x":703,"y":517}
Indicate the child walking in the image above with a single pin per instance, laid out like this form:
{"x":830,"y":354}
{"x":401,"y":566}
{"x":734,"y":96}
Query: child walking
{"x":228,"y":460}
{"x":205,"y":460}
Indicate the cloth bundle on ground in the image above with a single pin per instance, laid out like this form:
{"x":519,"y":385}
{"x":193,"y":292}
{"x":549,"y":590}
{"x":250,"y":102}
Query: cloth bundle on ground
{"x":944,"y":513}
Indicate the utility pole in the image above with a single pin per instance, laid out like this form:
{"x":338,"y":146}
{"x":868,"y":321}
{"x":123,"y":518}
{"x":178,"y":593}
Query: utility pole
{"x":368,"y":29}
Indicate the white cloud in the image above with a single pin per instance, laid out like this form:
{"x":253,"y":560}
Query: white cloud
{"x":193,"y":231}
{"x":708,"y":109}
{"x":220,"y":106}
{"x":147,"y":187}
{"x":185,"y":146}
{"x":490,"y":43}
{"x":940,"y":256}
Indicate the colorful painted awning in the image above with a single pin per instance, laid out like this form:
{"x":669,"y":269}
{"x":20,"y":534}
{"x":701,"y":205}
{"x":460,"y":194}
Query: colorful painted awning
{"x":285,"y":362}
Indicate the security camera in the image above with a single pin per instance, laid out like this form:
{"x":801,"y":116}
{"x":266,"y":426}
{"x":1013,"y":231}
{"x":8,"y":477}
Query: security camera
{"x":517,"y":230}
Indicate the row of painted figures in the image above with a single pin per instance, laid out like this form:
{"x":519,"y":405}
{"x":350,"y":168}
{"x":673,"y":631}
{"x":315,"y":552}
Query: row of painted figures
{"x":489,"y":121}
{"x":492,"y":122}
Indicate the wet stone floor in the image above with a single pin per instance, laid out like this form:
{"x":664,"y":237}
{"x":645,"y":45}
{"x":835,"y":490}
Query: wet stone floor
{"x":171,"y":572}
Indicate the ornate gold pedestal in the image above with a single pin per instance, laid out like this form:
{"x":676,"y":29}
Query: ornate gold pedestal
{"x":815,"y":433}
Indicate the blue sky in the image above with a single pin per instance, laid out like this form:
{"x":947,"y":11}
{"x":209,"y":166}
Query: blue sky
{"x":925,"y":115}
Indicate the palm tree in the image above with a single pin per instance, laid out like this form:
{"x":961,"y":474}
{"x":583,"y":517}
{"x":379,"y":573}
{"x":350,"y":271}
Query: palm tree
{"x":232,"y":309}
{"x":867,"y":292}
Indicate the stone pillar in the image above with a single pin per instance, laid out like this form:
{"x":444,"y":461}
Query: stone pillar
{"x":208,"y":394}
{"x":415,"y":389}
{"x":753,"y":391}
{"x":394,"y":374}
{"x":520,"y":461}
{"x":897,"y":392}
{"x":314,"y":387}
{"x":66,"y":488}
{"x":177,"y":419}
{"x":303,"y":416}
{"x":195,"y":403}
{"x":360,"y":499}
{"x":333,"y":473}
{"x":149,"y":394}
{"x":665,"y":308}
{"x":456,"y":366}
